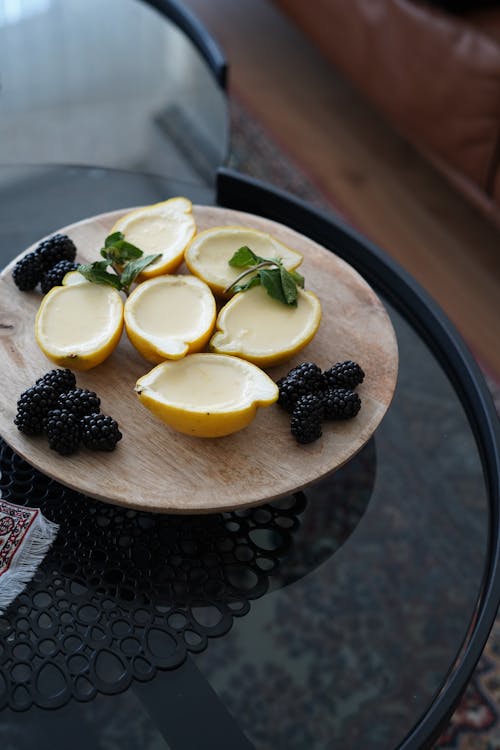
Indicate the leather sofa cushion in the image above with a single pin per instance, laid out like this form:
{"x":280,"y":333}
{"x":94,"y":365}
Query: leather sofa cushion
{"x":434,"y":75}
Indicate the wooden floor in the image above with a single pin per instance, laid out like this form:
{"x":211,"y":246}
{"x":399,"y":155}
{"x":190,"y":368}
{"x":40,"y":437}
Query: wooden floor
{"x":384,"y":187}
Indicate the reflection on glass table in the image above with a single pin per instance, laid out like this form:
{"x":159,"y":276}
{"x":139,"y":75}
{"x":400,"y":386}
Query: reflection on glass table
{"x":113,"y":83}
{"x":37,"y":200}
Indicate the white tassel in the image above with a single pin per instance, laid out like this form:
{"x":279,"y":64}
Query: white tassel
{"x":27,"y":558}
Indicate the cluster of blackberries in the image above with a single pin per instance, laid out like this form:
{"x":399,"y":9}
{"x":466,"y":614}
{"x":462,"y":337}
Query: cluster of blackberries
{"x":68,"y":415}
{"x":47,"y":265}
{"x":311,"y":396}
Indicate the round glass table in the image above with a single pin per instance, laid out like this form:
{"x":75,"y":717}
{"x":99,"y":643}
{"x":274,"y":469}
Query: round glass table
{"x":132,"y":84}
{"x":349,"y":615}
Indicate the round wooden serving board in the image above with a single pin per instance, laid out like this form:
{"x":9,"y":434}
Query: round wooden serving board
{"x":156,"y":469}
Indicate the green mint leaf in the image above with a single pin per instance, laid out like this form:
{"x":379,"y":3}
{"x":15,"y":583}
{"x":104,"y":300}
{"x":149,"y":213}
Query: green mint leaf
{"x":121,"y":253}
{"x":118,"y":251}
{"x":126,"y":251}
{"x":97,"y":273}
{"x":271,"y":281}
{"x":244,"y":257}
{"x":134,"y":267}
{"x":253,"y":281}
{"x":288,"y":286}
{"x":112,"y":239}
{"x":280,"y":283}
{"x":109,"y":254}
{"x":99,"y":265}
{"x":298,"y":278}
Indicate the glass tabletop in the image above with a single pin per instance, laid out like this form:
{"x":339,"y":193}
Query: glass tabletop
{"x":328,"y":619}
{"x":112,"y":82}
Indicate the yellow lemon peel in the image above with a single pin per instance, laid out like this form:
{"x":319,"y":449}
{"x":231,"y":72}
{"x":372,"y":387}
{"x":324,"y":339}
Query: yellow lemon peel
{"x":170,"y":316}
{"x":208,"y":254}
{"x":165,"y":228}
{"x":256,"y":327}
{"x":206,"y":395}
{"x":74,"y":277}
{"x":78,"y":326}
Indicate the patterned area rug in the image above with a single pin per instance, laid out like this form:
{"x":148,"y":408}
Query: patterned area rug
{"x":475,"y":724}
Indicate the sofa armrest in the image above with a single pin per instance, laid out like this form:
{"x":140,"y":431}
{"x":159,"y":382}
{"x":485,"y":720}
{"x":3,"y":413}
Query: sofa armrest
{"x":435,"y":77}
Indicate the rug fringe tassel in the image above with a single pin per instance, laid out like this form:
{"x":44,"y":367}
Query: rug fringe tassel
{"x":35,"y":546}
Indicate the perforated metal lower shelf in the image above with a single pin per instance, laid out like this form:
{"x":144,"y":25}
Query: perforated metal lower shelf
{"x":122,"y":593}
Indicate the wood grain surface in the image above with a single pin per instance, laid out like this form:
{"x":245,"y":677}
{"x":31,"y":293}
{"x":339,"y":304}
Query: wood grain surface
{"x":154,"y":468}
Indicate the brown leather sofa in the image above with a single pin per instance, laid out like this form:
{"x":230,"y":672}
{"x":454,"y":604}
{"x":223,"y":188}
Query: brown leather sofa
{"x":433,"y":73}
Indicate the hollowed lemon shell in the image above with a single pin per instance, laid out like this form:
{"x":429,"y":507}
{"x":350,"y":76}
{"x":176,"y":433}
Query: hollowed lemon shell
{"x":74,"y":347}
{"x":207,"y":255}
{"x":240,"y":388}
{"x":170,"y":316}
{"x":165,"y":228}
{"x":262,"y":330}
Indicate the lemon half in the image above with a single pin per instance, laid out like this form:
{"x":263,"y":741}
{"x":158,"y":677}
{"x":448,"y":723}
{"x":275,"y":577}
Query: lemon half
{"x":206,"y":395}
{"x":208,"y":255}
{"x":263,"y":330}
{"x":165,"y":228}
{"x":170,"y":316}
{"x":78,"y":326}
{"x":74,"y":277}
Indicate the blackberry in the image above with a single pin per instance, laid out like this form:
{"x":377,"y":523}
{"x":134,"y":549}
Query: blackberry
{"x":79,"y":401}
{"x":60,"y":380}
{"x":303,"y":379}
{"x":55,"y":275}
{"x":27,"y":272}
{"x":307,"y":417}
{"x":63,"y":431}
{"x":33,"y":407}
{"x":344,"y":375}
{"x":99,"y":432}
{"x":340,"y":403}
{"x":55,"y":248}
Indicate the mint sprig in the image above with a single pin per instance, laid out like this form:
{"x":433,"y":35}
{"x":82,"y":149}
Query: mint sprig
{"x":125,"y":260}
{"x":280,"y":283}
{"x":98,"y":273}
{"x":244,"y":257}
{"x":134,"y":267}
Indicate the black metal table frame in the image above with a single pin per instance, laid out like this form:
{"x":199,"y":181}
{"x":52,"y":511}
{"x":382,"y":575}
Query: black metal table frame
{"x":243,"y":193}
{"x":206,"y":45}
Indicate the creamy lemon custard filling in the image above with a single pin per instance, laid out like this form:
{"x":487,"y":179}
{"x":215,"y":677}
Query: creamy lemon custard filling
{"x":209,"y":253}
{"x":203,"y":385}
{"x":81,"y":317}
{"x":255,"y":323}
{"x":163,"y":228}
{"x":154,"y":235}
{"x":206,"y":395}
{"x":169,"y":316}
{"x":260,"y":322}
{"x":173,"y":309}
{"x":217,"y":251}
